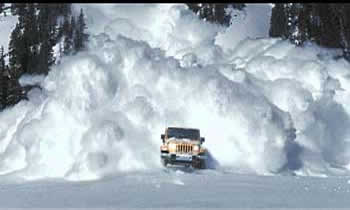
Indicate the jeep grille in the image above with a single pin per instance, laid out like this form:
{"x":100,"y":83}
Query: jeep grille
{"x":184,"y":148}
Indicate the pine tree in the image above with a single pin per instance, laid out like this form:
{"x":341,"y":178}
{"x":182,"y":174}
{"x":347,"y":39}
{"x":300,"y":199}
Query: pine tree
{"x":292,"y":21}
{"x":341,"y":13}
{"x":20,"y":10}
{"x":4,"y":80}
{"x":64,"y":9}
{"x":30,"y":23}
{"x":68,"y":32}
{"x":16,"y":51}
{"x":2,"y":59}
{"x":2,"y":6}
{"x":297,"y":24}
{"x":65,"y":26}
{"x":32,"y":39}
{"x":220,"y":15}
{"x":31,"y":44}
{"x":278,"y":27}
{"x":346,"y":30}
{"x":3,"y":89}
{"x":215,"y":13}
{"x":291,"y":11}
{"x":83,"y":27}
{"x":304,"y":23}
{"x":47,"y":33}
{"x":329,"y":28}
{"x":80,"y":36}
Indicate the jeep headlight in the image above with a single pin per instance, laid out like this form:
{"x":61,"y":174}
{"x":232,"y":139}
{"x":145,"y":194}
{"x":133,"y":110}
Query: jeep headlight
{"x":196,"y":148}
{"x":164,"y":147}
{"x":172,"y":147}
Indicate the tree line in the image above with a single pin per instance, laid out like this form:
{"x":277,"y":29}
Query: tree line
{"x":327,"y":25}
{"x":40,"y":28}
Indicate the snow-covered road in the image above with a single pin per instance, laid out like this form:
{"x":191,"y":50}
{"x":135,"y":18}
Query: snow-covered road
{"x":178,"y":188}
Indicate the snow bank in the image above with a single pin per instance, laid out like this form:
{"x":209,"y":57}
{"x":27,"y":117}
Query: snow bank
{"x":263,"y":106}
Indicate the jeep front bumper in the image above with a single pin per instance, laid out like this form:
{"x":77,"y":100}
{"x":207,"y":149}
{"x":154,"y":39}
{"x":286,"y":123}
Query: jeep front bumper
{"x":182,"y":158}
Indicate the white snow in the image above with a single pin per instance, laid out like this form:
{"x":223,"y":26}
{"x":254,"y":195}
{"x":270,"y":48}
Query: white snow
{"x":252,"y":22}
{"x":178,"y":189}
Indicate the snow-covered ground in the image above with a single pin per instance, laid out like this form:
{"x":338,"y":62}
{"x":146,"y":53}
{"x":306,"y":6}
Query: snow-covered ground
{"x":266,"y":108}
{"x":181,"y":189}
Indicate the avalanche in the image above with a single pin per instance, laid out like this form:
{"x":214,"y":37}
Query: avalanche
{"x":264,"y":105}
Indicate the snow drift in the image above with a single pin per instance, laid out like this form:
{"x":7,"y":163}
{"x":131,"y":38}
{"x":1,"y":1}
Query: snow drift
{"x":262,"y":104}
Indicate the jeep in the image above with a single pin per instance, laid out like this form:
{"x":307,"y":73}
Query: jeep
{"x":183,"y":146}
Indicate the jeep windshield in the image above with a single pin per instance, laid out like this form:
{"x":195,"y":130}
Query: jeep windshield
{"x":183,"y":133}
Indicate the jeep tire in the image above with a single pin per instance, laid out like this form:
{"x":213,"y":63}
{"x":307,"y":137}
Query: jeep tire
{"x":198,"y":164}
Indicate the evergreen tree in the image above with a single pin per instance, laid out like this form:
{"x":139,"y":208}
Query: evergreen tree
{"x":2,"y":6}
{"x":20,"y":10}
{"x":30,"y":23}
{"x":2,"y":59}
{"x":292,"y":18}
{"x":68,"y":32}
{"x":3,"y":89}
{"x":72,"y":27}
{"x":304,"y":23}
{"x":31,"y":44}
{"x":346,"y":30}
{"x":31,"y":39}
{"x":16,"y":51}
{"x":64,"y":9}
{"x":329,"y":28}
{"x":65,"y":26}
{"x":341,"y":13}
{"x":278,"y":23}
{"x":3,"y":82}
{"x":297,"y":23}
{"x":220,"y":14}
{"x":80,"y":36}
{"x":215,"y":13}
{"x":47,"y":34}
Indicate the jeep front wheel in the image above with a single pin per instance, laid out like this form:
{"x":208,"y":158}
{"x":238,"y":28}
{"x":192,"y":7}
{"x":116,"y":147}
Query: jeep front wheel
{"x":199,"y":164}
